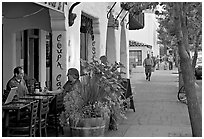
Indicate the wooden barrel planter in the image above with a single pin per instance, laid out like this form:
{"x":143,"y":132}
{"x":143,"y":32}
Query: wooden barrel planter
{"x":107,"y":123}
{"x":88,"y":127}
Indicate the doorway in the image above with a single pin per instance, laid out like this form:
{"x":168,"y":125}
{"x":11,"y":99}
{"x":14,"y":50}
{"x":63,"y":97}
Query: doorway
{"x":31,"y":53}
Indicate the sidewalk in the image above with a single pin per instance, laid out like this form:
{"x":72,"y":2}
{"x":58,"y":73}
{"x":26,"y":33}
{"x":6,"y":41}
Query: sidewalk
{"x":158,"y":112}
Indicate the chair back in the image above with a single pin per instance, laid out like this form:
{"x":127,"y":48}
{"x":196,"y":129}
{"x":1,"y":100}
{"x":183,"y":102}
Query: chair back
{"x":56,"y":106}
{"x":44,"y":108}
{"x":33,"y":118}
{"x":59,"y":102}
{"x":43,"y":112}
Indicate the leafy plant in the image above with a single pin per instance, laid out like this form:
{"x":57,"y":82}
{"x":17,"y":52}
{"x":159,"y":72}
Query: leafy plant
{"x":100,"y":95}
{"x":109,"y":79}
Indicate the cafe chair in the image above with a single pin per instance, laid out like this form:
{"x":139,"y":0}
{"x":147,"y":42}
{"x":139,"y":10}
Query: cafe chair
{"x":54,"y":113}
{"x":25,"y":128}
{"x":42,"y":117}
{"x":4,"y":95}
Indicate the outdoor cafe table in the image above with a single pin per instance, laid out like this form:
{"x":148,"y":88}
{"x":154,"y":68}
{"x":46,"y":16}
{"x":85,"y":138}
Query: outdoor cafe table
{"x":14,"y":105}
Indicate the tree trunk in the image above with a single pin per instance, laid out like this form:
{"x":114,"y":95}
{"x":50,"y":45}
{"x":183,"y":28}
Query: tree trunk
{"x":187,"y":70}
{"x":176,"y":56}
{"x":196,"y":44}
{"x":193,"y":106}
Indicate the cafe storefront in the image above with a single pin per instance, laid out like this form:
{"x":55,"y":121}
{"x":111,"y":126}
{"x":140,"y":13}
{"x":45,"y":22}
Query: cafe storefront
{"x":34,"y":36}
{"x":138,"y":52}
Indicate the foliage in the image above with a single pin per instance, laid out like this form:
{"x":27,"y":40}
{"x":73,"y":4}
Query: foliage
{"x":193,"y":21}
{"x":110,"y":81}
{"x":135,"y":8}
{"x":166,"y":20}
{"x":100,"y":94}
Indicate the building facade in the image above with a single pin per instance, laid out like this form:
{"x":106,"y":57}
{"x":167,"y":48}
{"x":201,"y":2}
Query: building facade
{"x":148,"y":35}
{"x":48,"y":38}
{"x":138,"y":52}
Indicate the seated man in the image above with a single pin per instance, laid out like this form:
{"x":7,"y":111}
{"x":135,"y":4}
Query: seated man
{"x":18,"y":81}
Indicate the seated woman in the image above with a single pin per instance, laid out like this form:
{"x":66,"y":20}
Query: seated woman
{"x":73,"y":82}
{"x":71,"y":88}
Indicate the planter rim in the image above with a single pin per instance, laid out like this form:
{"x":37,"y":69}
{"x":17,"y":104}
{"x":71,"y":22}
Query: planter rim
{"x":98,"y":127}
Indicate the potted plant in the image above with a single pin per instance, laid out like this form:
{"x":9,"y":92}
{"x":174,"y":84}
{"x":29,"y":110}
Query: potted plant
{"x":87,"y":110}
{"x":110,"y":81}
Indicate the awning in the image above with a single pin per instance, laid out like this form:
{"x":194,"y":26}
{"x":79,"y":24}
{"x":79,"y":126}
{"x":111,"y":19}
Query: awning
{"x":110,"y":41}
{"x":138,"y":44}
{"x":25,"y":15}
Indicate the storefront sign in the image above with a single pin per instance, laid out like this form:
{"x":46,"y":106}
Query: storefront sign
{"x":138,"y":44}
{"x":54,"y":5}
{"x":59,"y":59}
{"x":133,"y":44}
{"x":59,"y":52}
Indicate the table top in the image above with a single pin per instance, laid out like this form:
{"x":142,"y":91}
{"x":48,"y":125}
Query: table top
{"x":16,"y":105}
{"x":37,"y":97}
{"x":43,"y":94}
{"x":27,"y":100}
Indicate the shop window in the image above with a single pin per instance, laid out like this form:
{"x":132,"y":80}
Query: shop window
{"x":85,"y":37}
{"x":135,"y":58}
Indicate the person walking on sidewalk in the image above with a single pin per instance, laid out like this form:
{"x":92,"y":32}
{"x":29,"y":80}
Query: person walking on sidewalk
{"x":171,"y":60}
{"x":148,"y":63}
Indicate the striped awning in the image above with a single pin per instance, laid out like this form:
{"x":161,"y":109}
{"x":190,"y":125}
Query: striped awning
{"x":138,"y":44}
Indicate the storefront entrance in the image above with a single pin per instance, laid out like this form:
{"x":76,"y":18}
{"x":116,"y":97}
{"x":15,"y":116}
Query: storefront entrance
{"x":31,"y":53}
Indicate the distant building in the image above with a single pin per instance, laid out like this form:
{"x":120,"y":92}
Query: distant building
{"x":148,"y":35}
{"x":138,"y":52}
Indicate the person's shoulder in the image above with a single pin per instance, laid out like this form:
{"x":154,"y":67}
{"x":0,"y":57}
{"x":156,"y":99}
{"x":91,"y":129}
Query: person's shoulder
{"x":67,"y":83}
{"x":11,"y":81}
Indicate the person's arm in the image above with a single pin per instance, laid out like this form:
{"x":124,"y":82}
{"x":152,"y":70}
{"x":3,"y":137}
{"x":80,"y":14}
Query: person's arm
{"x":55,"y":91}
{"x":152,"y":62}
{"x":144,"y":63}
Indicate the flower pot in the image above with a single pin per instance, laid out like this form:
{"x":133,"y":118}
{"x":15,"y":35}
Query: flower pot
{"x":107,"y":122}
{"x":88,"y":127}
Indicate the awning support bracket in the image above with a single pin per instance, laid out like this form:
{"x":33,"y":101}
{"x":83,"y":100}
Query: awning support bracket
{"x":124,"y":17}
{"x":110,"y":9}
{"x":72,"y":16}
